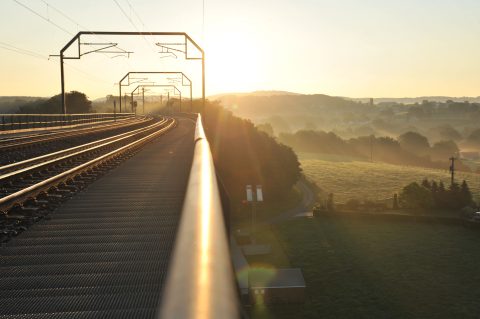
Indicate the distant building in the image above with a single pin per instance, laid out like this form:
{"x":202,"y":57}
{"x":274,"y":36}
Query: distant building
{"x":277,"y":286}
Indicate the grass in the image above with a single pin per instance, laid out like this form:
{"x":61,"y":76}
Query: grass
{"x":277,"y":257}
{"x":265,"y":210}
{"x":348,"y":178}
{"x":372,"y":269}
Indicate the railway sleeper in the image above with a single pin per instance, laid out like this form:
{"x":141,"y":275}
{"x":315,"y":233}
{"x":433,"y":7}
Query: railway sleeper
{"x":22,"y":215}
{"x":68,"y":187}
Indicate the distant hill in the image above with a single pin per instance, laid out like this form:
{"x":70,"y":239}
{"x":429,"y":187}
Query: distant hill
{"x":266,"y":104}
{"x":255,"y":93}
{"x":352,"y":117}
{"x":287,"y":111}
{"x":420,"y":99}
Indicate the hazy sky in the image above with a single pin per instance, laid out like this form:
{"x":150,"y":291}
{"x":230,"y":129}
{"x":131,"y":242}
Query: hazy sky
{"x":357,"y":48}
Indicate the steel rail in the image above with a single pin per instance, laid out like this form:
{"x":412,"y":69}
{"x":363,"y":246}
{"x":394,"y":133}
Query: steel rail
{"x":200,"y":282}
{"x":33,"y":190}
{"x":31,"y":121}
{"x":58,"y":135}
{"x":42,"y":163}
{"x":57,"y":130}
{"x":119,"y":122}
{"x":57,"y":154}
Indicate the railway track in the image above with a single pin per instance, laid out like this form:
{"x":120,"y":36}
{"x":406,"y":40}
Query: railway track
{"x":30,"y":189}
{"x":27,"y":146}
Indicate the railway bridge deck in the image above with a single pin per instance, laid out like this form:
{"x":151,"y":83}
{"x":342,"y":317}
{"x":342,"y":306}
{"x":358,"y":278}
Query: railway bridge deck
{"x":104,"y":253}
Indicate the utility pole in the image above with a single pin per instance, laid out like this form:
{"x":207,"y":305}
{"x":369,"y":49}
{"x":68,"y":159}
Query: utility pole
{"x":143,"y":100}
{"x":168,"y":101}
{"x":452,"y":169}
{"x":371,"y":148}
{"x":131,"y":100}
{"x":120,"y":96}
{"x":114,"y":110}
{"x":125,"y":102}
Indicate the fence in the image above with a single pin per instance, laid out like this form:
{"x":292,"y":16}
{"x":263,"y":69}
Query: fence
{"x":10,"y":122}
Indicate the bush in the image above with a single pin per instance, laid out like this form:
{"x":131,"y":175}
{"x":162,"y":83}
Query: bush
{"x":77,"y":102}
{"x":244,"y":155}
{"x":352,"y":204}
{"x":415,"y":196}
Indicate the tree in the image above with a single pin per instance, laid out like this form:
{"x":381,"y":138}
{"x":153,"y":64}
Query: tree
{"x":395,"y":201}
{"x":451,"y":196}
{"x":77,"y":102}
{"x":416,"y":196}
{"x":267,"y":128}
{"x":444,"y":149}
{"x":465,"y":195}
{"x":447,"y":132}
{"x":330,"y":203}
{"x":474,"y":138}
{"x":441,"y":187}
{"x":352,"y":204}
{"x":243,"y":155}
{"x":414,"y":143}
{"x":426,"y":184}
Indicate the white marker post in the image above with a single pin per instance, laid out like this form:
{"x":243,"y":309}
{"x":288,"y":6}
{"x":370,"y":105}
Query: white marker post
{"x":259,"y":193}
{"x":251,"y":199}
{"x":249,"y":193}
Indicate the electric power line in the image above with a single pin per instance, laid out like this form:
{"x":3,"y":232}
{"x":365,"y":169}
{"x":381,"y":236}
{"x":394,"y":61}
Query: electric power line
{"x":126,"y":15}
{"x":41,"y":16}
{"x":86,"y":74}
{"x":16,"y":49}
{"x":133,"y":23}
{"x":50,"y":21}
{"x":136,"y":14}
{"x":203,"y":20}
{"x":63,"y":14}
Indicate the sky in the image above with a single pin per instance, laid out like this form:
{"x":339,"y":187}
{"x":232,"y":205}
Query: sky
{"x":368,"y":48}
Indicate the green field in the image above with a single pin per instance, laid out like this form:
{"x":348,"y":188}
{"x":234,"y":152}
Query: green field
{"x":352,"y":179}
{"x":371,"y":269}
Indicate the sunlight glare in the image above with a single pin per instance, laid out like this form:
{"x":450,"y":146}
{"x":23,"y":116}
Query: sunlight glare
{"x":235,"y":61}
{"x":203,"y":278}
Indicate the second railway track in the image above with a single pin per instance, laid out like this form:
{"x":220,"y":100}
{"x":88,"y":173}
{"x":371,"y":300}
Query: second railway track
{"x":21,"y":147}
{"x":32,"y":188}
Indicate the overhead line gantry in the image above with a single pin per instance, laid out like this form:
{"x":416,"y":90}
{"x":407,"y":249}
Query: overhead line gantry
{"x":112,"y":48}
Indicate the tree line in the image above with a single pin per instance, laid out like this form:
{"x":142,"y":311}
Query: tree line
{"x":77,"y":103}
{"x":244,"y":155}
{"x":432,"y":194}
{"x":410,"y":148}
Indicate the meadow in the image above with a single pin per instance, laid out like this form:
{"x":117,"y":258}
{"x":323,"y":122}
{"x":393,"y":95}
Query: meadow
{"x":358,"y":268}
{"x":348,"y":178}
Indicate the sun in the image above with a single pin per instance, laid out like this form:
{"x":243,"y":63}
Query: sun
{"x":233,"y":62}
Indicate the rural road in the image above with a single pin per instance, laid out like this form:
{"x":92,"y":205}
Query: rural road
{"x":308,"y":198}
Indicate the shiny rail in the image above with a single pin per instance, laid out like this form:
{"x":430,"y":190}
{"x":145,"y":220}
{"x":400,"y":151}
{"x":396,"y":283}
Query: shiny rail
{"x":31,"y":191}
{"x":201,"y":282}
{"x":31,"y":139}
{"x":18,"y":168}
